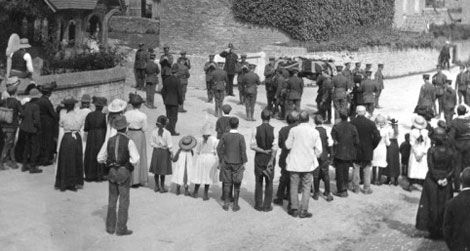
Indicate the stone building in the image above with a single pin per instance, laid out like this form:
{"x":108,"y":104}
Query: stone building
{"x":143,"y":8}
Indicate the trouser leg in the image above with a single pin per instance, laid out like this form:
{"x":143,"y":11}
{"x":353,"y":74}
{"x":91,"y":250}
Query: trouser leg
{"x":123,"y":212}
{"x":229,"y":86}
{"x":367,"y":174}
{"x":316,"y":180}
{"x":112,"y":201}
{"x":294,"y":190}
{"x":209,"y":88}
{"x":268,"y":192}
{"x":8,"y":147}
{"x":258,"y":191}
{"x":356,"y":173}
{"x":306,"y":179}
{"x":34,"y":156}
{"x":326,"y":179}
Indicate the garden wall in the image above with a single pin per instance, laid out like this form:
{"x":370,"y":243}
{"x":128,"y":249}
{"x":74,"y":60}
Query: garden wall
{"x":107,"y":83}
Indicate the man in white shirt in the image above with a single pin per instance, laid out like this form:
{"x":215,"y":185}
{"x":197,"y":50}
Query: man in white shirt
{"x":305,"y":147}
{"x":20,"y":63}
{"x":120,"y":157}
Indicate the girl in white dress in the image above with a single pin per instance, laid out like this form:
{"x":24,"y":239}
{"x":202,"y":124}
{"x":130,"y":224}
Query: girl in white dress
{"x":205,"y":171}
{"x":183,"y":169}
{"x":420,"y":144}
{"x":379,"y":160}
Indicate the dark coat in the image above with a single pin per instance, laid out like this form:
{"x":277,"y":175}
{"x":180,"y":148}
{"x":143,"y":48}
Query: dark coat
{"x":141,"y":58}
{"x":368,"y":88}
{"x":232,"y":148}
{"x":151,"y":72}
{"x":250,"y":81}
{"x":369,"y":138}
{"x":220,"y":79}
{"x":346,"y":141}
{"x":222,"y":126}
{"x":324,"y":143}
{"x":450,"y":99}
{"x":31,"y":120}
{"x":295,"y":88}
{"x":439,"y":81}
{"x":340,"y":84}
{"x":231,"y":60}
{"x":283,"y":134}
{"x":456,"y":226}
{"x":427,"y":96}
{"x":171,"y":91}
{"x":15,"y":105}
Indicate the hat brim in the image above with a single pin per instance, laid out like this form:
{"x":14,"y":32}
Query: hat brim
{"x":418,"y":126}
{"x":24,"y":46}
{"x":115,"y":109}
{"x":188,"y":147}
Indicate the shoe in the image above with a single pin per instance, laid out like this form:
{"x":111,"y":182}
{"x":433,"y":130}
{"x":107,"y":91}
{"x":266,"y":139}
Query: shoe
{"x":186,"y":191}
{"x":178,"y":190}
{"x":25,"y":167}
{"x":163,"y":190}
{"x":366,"y":191}
{"x":278,"y":201}
{"x":156,"y":189}
{"x":35,"y":170}
{"x":341,"y":195}
{"x":268,"y":209}
{"x":110,"y":231}
{"x":328,"y":197}
{"x":293,"y":212}
{"x":226,"y":207}
{"x":126,"y":232}
{"x":175,"y":134}
{"x":260,"y":209}
{"x":305,"y":214}
{"x":316,"y":195}
{"x":356,"y":190}
{"x":2,"y":167}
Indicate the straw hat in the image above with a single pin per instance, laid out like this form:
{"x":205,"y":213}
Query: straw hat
{"x":120,"y":123}
{"x":419,"y":122}
{"x":24,"y":43}
{"x":117,"y":105}
{"x":187,"y":143}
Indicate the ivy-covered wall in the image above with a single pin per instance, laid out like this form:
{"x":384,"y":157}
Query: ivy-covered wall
{"x":315,"y":19}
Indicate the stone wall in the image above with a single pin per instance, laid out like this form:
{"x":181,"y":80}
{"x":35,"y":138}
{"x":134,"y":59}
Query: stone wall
{"x":107,"y":83}
{"x":463,"y":50}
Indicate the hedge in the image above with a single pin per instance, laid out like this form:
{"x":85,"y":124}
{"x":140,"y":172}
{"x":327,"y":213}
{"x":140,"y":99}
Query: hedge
{"x":315,"y":19}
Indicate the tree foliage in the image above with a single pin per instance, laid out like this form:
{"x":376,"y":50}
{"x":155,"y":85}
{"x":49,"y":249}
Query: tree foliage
{"x":315,"y":19}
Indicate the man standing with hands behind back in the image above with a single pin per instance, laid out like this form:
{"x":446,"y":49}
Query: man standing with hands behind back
{"x":231,"y":59}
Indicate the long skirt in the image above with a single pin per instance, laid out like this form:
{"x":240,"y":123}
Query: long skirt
{"x":431,"y":209}
{"x":393,"y":159}
{"x":161,"y":162}
{"x":19,"y":146}
{"x":183,"y":169}
{"x":205,"y":171}
{"x":140,"y":173}
{"x":93,"y":170}
{"x":70,"y":162}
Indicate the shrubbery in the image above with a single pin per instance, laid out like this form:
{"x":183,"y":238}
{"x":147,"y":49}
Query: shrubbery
{"x":455,"y":31}
{"x":317,"y":20}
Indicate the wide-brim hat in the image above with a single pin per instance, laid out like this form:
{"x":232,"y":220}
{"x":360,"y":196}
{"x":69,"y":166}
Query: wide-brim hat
{"x":419,"y":122}
{"x":117,"y":105}
{"x":187,"y":143}
{"x":120,"y":123}
{"x":100,"y":101}
{"x":47,"y":88}
{"x":86,"y":98}
{"x":207,"y":129}
{"x":24,"y":43}
{"x":135,"y":99}
{"x":69,"y":100}
{"x":34,"y":93}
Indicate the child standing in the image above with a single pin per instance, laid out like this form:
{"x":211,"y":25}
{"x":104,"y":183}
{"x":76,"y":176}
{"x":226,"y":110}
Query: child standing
{"x":393,"y":155}
{"x":322,"y":171}
{"x":205,"y":171}
{"x":379,"y":161}
{"x":162,"y":144}
{"x":184,"y":164}
{"x":405,"y":149}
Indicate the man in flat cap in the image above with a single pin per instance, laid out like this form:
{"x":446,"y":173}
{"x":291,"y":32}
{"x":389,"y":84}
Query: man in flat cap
{"x":250,"y":81}
{"x":231,"y":59}
{"x":242,"y":69}
{"x":379,"y":78}
{"x":166,"y":62}
{"x":141,"y":58}
{"x":270,"y":84}
{"x":220,"y":79}
{"x":210,"y":67}
{"x":172,"y":95}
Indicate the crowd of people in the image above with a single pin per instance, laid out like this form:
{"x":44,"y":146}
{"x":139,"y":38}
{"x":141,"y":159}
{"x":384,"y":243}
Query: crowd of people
{"x":115,"y":148}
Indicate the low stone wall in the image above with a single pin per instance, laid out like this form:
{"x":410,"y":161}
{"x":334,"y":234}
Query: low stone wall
{"x":134,"y":25}
{"x":462,"y":51}
{"x":107,"y":83}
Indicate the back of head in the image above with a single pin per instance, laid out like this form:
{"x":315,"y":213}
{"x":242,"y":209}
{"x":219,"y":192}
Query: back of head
{"x":318,"y":119}
{"x":292,"y":117}
{"x":265,"y":115}
{"x":461,"y":110}
{"x":233,"y":122}
{"x":361,"y":110}
{"x":465,"y":177}
{"x":303,"y":117}
{"x":343,"y":115}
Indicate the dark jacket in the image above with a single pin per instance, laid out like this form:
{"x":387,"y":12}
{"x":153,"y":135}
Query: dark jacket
{"x":340,"y":85}
{"x":230,"y":62}
{"x":264,"y":140}
{"x":232,"y":148}
{"x":379,"y":78}
{"x":15,"y":105}
{"x":439,"y":81}
{"x":283,"y":134}
{"x":295,"y":88}
{"x":369,"y":138}
{"x":171,"y":91}
{"x":456,"y":226}
{"x":151,"y":72}
{"x":220,"y":79}
{"x":222,"y":126}
{"x":346,"y":141}
{"x":141,"y":58}
{"x":324,"y":143}
{"x":31,"y":120}
{"x":450,"y":99}
{"x":427,"y":96}
{"x":250,"y":82}
{"x":369,"y":89}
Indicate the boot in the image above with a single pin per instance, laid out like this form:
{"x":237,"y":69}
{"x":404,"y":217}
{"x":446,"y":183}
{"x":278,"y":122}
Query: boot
{"x":2,"y":167}
{"x":236,"y":196}
{"x":206,"y":192}
{"x":181,"y":108}
{"x":226,"y":196}
{"x":186,"y":190}
{"x":162,"y":184}
{"x":196,"y":190}
{"x":35,"y":169}
{"x":379,"y":176}
{"x":157,"y":184}
{"x":25,"y":167}
{"x":178,"y":189}
{"x":374,"y":174}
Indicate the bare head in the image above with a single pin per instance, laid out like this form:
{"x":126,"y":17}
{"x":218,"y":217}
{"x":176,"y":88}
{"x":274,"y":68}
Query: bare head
{"x":361,"y":110}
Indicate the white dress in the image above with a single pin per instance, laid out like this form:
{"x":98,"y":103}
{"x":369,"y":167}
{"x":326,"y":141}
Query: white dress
{"x":380,"y":152}
{"x":418,"y":169}
{"x":184,"y":164}
{"x":205,"y":171}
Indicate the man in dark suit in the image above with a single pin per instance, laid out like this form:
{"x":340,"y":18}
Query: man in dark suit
{"x":232,"y":155}
{"x":460,"y":83}
{"x":140,"y":63}
{"x":30,"y":127}
{"x":439,"y":81}
{"x":295,"y":88}
{"x":346,"y":143}
{"x":151,"y":80}
{"x":369,"y":138}
{"x":449,"y":101}
{"x":456,"y":225}
{"x":368,"y":87}
{"x":250,"y":81}
{"x":231,"y":59}
{"x":49,"y":125}
{"x":172,"y":98}
{"x":459,"y":135}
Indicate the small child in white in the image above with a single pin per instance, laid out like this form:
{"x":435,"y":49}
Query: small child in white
{"x":183,"y":169}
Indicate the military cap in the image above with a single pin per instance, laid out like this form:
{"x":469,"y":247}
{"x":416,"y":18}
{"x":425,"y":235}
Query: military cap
{"x":272,"y":58}
{"x":243,"y":55}
{"x":339,"y":67}
{"x":182,"y":52}
{"x":368,"y":65}
{"x":86,"y":98}
{"x":380,"y":65}
{"x":347,"y":63}
{"x":369,"y":72}
{"x":212,"y":55}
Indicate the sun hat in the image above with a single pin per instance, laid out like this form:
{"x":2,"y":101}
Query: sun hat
{"x":187,"y":143}
{"x":24,"y":43}
{"x":419,"y":122}
{"x":120,"y":122}
{"x":117,"y":105}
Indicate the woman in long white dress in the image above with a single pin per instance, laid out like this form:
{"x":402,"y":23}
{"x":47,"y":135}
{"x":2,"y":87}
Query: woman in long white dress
{"x":420,"y":144}
{"x":379,"y":160}
{"x":205,"y":171}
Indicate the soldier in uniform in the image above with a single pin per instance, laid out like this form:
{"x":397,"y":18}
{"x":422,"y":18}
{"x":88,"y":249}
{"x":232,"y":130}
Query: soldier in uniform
{"x":341,"y":86}
{"x":295,"y":88}
{"x":209,"y":67}
{"x":242,"y":68}
{"x":270,"y":85}
{"x":357,"y":70}
{"x":368,"y":88}
{"x":379,"y":78}
{"x":450,"y":101}
{"x":460,"y":83}
{"x":166,"y":62}
{"x":368,"y":67}
{"x":250,"y":81}
{"x":326,"y":96}
{"x":356,"y":94}
{"x":151,"y":79}
{"x":231,"y":59}
{"x":439,"y":81}
{"x":281,"y":91}
{"x":184,"y":59}
{"x":182,"y":73}
{"x":220,"y":79}
{"x":347,"y":72}
{"x":140,"y":64}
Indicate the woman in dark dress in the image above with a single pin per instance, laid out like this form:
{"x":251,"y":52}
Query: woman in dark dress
{"x":70,"y":160}
{"x":437,"y":187}
{"x":95,"y":126}
{"x":393,"y":156}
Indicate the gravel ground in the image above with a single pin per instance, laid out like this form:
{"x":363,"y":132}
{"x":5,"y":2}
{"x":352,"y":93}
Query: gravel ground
{"x":34,"y":216}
